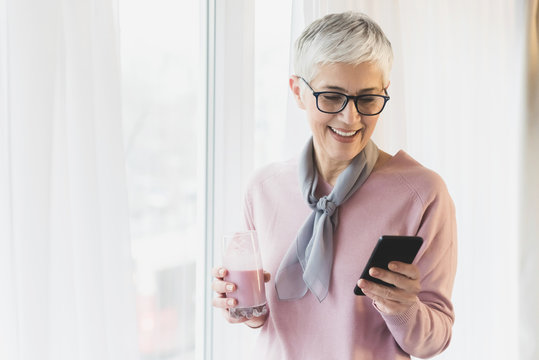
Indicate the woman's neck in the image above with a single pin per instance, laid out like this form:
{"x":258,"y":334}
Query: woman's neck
{"x":330,"y":170}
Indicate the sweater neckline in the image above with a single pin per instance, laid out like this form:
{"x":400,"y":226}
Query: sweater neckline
{"x":324,"y":188}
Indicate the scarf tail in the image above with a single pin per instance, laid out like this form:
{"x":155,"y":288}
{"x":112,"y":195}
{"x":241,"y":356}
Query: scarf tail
{"x":309,"y":260}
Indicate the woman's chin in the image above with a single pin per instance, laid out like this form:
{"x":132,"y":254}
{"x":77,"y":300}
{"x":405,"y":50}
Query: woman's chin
{"x":347,"y":152}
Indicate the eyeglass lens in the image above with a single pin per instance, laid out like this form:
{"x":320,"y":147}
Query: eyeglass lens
{"x":334,"y":102}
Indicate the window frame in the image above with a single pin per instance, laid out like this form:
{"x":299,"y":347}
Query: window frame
{"x":228,"y":140}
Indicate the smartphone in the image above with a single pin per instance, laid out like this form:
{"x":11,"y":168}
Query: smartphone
{"x":390,"y":248}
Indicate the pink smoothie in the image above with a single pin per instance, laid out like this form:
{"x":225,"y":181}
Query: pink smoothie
{"x":250,"y":290}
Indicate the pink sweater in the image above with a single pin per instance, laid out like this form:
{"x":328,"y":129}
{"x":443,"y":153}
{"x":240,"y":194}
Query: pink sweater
{"x":400,"y":198}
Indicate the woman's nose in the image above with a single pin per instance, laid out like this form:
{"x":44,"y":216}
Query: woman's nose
{"x":350,"y":114}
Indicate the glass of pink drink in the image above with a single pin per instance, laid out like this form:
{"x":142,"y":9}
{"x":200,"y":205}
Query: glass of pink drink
{"x":241,"y":257}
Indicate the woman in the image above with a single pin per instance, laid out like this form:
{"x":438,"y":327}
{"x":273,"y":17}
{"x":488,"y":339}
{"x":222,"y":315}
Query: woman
{"x":319,"y":216}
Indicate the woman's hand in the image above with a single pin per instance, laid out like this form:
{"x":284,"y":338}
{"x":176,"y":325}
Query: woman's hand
{"x":395,"y":300}
{"x":223,"y":300}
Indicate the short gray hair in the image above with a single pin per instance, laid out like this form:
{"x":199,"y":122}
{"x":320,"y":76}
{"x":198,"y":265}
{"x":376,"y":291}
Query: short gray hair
{"x":348,"y":37}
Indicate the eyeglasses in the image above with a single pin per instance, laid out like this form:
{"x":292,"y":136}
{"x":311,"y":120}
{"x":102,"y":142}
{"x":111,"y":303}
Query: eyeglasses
{"x":331,"y":102}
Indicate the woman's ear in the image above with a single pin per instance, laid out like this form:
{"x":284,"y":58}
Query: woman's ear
{"x":294,"y":82}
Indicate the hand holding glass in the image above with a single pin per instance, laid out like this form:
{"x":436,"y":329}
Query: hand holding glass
{"x":241,"y":257}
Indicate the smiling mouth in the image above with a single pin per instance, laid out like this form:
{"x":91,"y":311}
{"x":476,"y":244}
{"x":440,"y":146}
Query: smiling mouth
{"x":344,"y":133}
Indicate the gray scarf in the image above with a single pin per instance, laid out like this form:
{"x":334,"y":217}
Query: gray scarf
{"x":307,"y":263}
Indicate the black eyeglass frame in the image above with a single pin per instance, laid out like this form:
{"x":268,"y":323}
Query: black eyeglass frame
{"x":348,"y":98}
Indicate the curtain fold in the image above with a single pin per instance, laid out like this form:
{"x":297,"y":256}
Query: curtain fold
{"x":529,"y":235}
{"x":8,"y":299}
{"x":66,"y":279}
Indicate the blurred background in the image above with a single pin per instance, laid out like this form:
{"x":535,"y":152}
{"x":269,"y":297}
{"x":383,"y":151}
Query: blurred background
{"x":129,"y":129}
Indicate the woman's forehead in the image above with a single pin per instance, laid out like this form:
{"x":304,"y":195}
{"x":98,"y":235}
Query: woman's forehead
{"x":351,"y":78}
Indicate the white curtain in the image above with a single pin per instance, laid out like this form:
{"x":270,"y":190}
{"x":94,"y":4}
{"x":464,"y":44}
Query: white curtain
{"x":65,"y":266}
{"x":232,"y":149}
{"x":529,"y":239}
{"x":458,"y":106}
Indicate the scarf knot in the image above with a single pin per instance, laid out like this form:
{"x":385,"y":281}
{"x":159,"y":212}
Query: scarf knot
{"x":308,"y":262}
{"x":326,"y":206}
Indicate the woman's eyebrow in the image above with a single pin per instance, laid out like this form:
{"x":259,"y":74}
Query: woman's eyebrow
{"x":369,"y":90}
{"x":336,"y":88}
{"x":340,"y":89}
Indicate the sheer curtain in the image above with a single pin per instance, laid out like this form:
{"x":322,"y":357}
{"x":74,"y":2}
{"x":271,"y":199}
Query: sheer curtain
{"x":457,"y":106}
{"x":65,"y":266}
{"x":464,"y":103}
{"x":233,"y":144}
{"x":529,"y":239}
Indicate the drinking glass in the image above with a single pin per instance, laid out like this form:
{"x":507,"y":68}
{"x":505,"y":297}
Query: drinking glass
{"x":241,"y":257}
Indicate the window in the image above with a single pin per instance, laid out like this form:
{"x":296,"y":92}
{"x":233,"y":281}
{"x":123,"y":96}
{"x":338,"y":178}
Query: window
{"x":163,"y":105}
{"x":163,"y":64}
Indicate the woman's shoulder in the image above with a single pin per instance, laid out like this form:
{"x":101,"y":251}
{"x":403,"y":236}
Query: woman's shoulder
{"x":425,"y":182}
{"x":275,"y":172}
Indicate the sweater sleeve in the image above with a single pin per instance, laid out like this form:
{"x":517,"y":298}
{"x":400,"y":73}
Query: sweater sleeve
{"x":424,"y":330}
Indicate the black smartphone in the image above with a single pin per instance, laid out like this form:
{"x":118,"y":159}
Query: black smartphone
{"x":390,"y":248}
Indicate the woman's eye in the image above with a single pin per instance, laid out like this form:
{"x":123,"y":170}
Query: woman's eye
{"x":367,"y":99}
{"x":336,"y":98}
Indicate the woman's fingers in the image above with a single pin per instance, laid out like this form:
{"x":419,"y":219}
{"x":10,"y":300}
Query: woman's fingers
{"x":398,"y":280}
{"x":393,"y":300}
{"x":409,"y":270}
{"x":219,"y":272}
{"x":386,"y":292}
{"x":220,"y":286}
{"x":403,"y":277}
{"x":387,"y":299}
{"x":224,"y":302}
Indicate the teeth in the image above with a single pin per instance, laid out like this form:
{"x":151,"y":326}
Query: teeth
{"x":343,"y":133}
